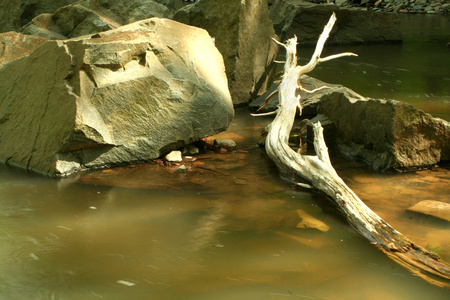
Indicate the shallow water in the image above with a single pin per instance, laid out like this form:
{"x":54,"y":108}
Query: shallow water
{"x":227,"y":230}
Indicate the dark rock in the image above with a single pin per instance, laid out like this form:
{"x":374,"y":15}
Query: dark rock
{"x":306,"y":20}
{"x":76,"y":20}
{"x":29,"y":9}
{"x":227,"y":144}
{"x":386,"y":134}
{"x":243,"y":33}
{"x":127,"y":95}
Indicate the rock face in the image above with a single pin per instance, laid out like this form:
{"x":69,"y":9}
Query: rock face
{"x":9,"y":15}
{"x":128,"y":11}
{"x":32,"y":8}
{"x":386,"y":134}
{"x":14,"y":45}
{"x":127,"y":95}
{"x":243,"y":32}
{"x":306,"y":20}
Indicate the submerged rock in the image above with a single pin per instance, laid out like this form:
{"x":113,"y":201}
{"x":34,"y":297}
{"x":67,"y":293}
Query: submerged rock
{"x":306,"y":20}
{"x":243,"y":33}
{"x":436,"y":209}
{"x":127,"y":95}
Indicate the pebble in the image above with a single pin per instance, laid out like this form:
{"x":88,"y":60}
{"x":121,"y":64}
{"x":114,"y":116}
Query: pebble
{"x":174,"y":156}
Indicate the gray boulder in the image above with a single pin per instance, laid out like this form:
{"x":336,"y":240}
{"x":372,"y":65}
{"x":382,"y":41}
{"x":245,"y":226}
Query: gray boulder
{"x":306,"y":20}
{"x":243,"y":33}
{"x":9,"y":15}
{"x":122,"y":96}
{"x":128,"y":11}
{"x":387,"y":134}
{"x":29,"y":9}
{"x":76,"y":20}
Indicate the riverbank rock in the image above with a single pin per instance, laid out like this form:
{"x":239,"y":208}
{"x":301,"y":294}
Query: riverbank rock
{"x":387,"y":134}
{"x":243,"y":33}
{"x":306,"y":20}
{"x":436,"y":209}
{"x":29,"y":9}
{"x":14,"y":45}
{"x":126,"y":95}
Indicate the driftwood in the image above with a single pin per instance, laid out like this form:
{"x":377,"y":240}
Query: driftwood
{"x":320,"y":174}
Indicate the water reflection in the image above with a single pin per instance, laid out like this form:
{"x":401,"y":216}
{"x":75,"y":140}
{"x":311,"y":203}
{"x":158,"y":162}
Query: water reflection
{"x":146,"y":232}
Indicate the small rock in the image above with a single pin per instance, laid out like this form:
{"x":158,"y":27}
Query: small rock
{"x":225,"y":143}
{"x":309,"y":221}
{"x":190,"y":150}
{"x":182,"y":169}
{"x":174,"y":156}
{"x":239,"y":181}
{"x":436,"y":209}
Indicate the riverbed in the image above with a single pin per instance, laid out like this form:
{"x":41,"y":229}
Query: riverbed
{"x":229,"y":229}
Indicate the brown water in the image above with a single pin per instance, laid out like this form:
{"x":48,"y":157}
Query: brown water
{"x":227,"y":230}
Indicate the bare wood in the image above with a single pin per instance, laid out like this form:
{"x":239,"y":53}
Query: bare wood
{"x":318,"y":171}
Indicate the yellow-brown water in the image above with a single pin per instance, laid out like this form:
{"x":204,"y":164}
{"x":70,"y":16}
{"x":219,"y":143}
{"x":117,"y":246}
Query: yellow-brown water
{"x":147,"y":232}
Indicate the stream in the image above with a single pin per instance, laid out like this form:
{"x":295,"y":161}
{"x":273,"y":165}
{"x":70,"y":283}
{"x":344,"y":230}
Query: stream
{"x":229,"y":229}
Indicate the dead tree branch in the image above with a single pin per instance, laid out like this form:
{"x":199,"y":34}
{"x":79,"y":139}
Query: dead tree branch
{"x":318,"y":171}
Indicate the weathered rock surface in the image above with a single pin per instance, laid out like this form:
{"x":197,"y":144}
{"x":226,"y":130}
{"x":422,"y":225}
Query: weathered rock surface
{"x":43,"y":26}
{"x":387,"y":134}
{"x":14,"y":45}
{"x":243,"y":32}
{"x":9,"y":15}
{"x":125,"y":95}
{"x":128,"y":11}
{"x":92,"y":16}
{"x":436,"y":209}
{"x":32,"y":8}
{"x":306,"y":20}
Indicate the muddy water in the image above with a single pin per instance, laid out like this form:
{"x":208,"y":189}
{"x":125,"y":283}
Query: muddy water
{"x":228,"y":229}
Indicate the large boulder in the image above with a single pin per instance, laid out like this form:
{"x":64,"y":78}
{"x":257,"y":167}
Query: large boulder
{"x":128,"y":11}
{"x":306,"y":20}
{"x":32,"y":8}
{"x":243,"y":33}
{"x":122,"y":96}
{"x":9,"y":15}
{"x":14,"y":45}
{"x":387,"y":134}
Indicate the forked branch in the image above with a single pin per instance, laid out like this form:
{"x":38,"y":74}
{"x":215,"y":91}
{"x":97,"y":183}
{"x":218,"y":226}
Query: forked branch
{"x":318,"y":171}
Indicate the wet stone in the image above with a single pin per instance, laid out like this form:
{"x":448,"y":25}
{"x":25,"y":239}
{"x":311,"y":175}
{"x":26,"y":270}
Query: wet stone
{"x":436,"y":209}
{"x":227,"y":144}
{"x":174,"y":156}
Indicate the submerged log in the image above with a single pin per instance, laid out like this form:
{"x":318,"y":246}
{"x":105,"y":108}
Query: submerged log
{"x":319,"y":173}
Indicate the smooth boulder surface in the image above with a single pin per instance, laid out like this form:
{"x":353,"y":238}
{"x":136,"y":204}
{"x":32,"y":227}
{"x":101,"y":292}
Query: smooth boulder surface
{"x":122,"y":96}
{"x":243,"y":34}
{"x":387,"y":134}
{"x":306,"y":20}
